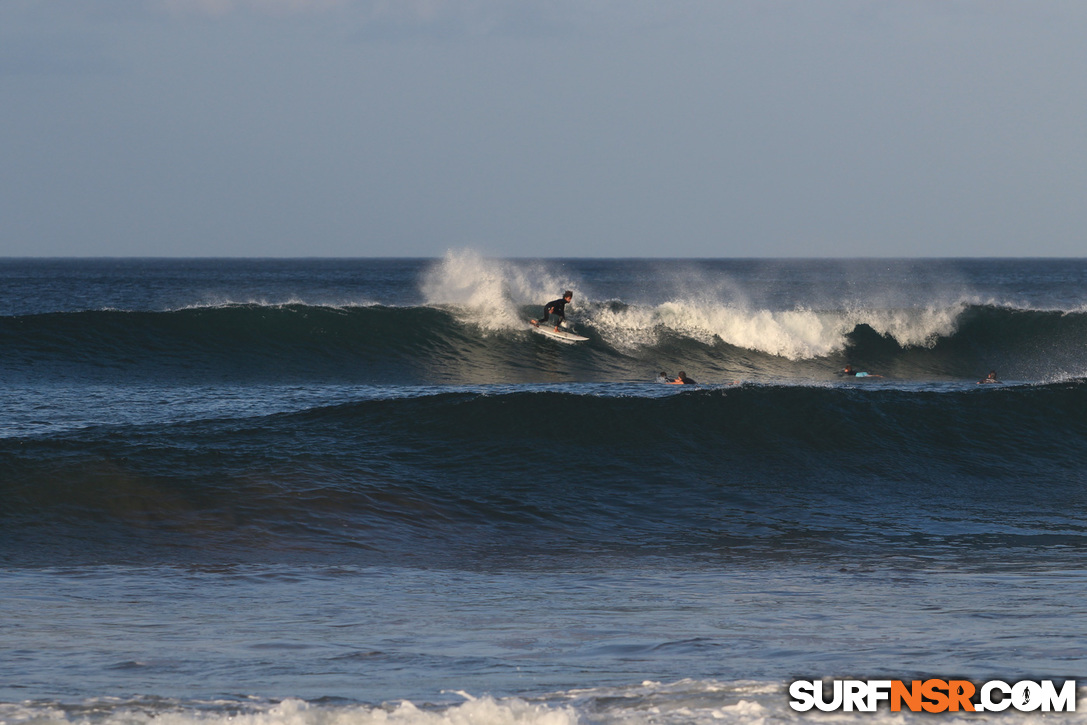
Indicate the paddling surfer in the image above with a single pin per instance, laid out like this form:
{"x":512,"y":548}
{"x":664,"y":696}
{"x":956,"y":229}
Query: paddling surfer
{"x":849,"y":371}
{"x":682,"y":379}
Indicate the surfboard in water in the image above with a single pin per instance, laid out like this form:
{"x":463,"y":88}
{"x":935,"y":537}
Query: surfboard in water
{"x":562,"y":335}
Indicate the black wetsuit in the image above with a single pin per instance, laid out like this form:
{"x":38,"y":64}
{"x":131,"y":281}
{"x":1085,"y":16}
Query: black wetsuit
{"x":558,"y":307}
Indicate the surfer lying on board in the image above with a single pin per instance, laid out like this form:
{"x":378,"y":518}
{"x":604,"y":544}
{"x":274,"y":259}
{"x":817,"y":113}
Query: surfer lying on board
{"x":556,"y":309}
{"x":682,"y":379}
{"x":853,"y":373}
{"x":990,"y":378}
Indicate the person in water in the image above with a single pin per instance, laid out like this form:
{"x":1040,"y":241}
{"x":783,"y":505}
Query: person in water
{"x":990,"y":378}
{"x":682,"y":379}
{"x":855,"y":374}
{"x":556,"y":309}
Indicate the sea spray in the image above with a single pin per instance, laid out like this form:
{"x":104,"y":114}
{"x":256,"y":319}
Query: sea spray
{"x":489,"y":293}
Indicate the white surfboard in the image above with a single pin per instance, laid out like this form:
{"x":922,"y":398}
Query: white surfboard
{"x":562,"y":335}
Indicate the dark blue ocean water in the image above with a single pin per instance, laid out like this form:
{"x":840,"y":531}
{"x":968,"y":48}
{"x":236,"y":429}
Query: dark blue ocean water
{"x":299,"y":492}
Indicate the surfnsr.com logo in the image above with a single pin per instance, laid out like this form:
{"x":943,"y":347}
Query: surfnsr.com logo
{"x":932,"y":696}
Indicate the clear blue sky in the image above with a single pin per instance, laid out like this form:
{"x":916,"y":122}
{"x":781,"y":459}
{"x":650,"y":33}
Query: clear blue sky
{"x":708,"y":128}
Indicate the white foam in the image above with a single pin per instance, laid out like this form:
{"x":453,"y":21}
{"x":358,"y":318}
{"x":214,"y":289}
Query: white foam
{"x":228,"y":303}
{"x":915,"y":327}
{"x":797,"y":334}
{"x":686,"y":702}
{"x":476,"y":711}
{"x":793,"y":334}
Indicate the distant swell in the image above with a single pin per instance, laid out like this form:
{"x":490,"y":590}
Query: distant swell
{"x":753,"y":471}
{"x":297,"y":342}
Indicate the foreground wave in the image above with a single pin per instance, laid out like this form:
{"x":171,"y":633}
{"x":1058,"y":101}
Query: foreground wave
{"x":751,"y":470}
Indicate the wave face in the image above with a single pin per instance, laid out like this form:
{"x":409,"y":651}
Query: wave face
{"x":463,"y":320}
{"x":420,"y":345}
{"x":754,"y":470}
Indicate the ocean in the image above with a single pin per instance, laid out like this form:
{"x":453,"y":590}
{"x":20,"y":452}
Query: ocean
{"x":355,"y":491}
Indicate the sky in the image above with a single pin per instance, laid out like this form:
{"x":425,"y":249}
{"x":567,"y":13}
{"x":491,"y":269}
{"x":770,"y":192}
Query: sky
{"x":543,"y":128}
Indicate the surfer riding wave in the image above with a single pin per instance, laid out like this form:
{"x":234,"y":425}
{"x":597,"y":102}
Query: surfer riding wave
{"x":555,"y":309}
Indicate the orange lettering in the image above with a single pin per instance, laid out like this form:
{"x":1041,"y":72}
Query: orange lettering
{"x":934,"y":690}
{"x":912,"y":696}
{"x":960,"y":693}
